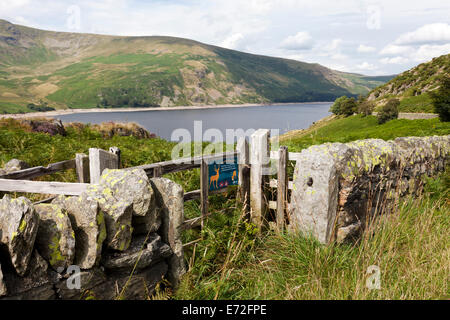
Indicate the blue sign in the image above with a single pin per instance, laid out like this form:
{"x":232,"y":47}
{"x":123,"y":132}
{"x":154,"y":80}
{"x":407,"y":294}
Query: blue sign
{"x":223,"y":174}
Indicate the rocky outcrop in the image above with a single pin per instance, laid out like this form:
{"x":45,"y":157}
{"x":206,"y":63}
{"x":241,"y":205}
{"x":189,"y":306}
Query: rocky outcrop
{"x":18,"y":228}
{"x":339,"y":188}
{"x":55,"y":239}
{"x":49,"y":126}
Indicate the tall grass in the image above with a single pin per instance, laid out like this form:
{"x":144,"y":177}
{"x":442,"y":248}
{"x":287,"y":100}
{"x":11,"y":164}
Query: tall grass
{"x":410,"y":247}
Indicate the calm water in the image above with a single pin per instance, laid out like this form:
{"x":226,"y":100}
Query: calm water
{"x":164,"y":122}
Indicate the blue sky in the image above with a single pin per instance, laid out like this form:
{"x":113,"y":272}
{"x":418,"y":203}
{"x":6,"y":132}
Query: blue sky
{"x":371,"y":37}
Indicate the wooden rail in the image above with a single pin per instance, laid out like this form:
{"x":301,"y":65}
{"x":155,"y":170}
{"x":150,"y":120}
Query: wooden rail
{"x":36,"y":172}
{"x":173,"y":166}
{"x":43,"y":187}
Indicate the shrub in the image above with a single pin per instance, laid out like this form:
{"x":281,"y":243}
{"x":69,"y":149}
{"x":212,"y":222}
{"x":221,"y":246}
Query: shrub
{"x":389,"y":111}
{"x":349,"y":107}
{"x":441,"y":100}
{"x":366,"y":108}
{"x":336,"y":107}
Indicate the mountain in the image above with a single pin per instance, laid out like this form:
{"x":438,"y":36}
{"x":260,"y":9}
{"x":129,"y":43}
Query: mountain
{"x":412,"y":87}
{"x":41,"y":69}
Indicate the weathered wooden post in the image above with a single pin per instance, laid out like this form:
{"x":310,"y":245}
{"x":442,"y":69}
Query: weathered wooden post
{"x":282,"y":187}
{"x":82,"y":167}
{"x":100,"y":160}
{"x":157,"y":172}
{"x":260,"y":162}
{"x":244,"y":173}
{"x":204,"y":188}
{"x":117,"y":152}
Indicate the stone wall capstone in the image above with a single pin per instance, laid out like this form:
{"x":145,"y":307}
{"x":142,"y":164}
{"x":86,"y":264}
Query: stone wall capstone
{"x":339,"y":187}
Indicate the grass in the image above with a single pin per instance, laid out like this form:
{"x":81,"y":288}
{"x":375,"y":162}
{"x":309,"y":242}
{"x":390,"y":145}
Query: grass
{"x":358,"y":127}
{"x":410,"y":248}
{"x":422,"y":103}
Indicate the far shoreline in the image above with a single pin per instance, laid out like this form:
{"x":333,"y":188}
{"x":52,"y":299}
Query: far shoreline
{"x":63,"y":112}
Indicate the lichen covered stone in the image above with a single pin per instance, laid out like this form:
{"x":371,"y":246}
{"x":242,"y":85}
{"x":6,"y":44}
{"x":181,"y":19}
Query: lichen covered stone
{"x":18,"y":229}
{"x":55,"y":239}
{"x":88,"y":223}
{"x":129,"y":186}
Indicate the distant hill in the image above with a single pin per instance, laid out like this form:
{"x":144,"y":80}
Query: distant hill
{"x":412,"y":87}
{"x":44,"y":69}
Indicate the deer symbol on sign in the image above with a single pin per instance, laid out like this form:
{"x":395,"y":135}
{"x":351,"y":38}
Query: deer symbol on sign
{"x":215,"y":178}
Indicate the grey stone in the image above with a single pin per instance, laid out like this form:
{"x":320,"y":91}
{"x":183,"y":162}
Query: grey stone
{"x":130,"y":186}
{"x":36,"y":277}
{"x":3,"y":291}
{"x":88,"y":223}
{"x":143,"y":252}
{"x":348,"y":232}
{"x":315,"y":193}
{"x":15,"y":165}
{"x":117,"y":215}
{"x":95,"y":285}
{"x":169,"y":197}
{"x":18,"y":229}
{"x":147,"y":224}
{"x":55,"y":240}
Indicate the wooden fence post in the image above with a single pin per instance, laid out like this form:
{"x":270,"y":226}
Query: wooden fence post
{"x":157,"y":172}
{"x":204,"y":187}
{"x":117,"y":152}
{"x":260,"y":161}
{"x":82,"y":167}
{"x":244,"y":173}
{"x":283,"y":185}
{"x":100,"y":160}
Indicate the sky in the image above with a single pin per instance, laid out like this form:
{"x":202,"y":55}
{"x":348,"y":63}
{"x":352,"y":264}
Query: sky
{"x":372,"y":37}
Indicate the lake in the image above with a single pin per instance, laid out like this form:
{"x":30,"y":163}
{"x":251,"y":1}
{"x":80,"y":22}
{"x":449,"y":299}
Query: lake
{"x":163,"y":123}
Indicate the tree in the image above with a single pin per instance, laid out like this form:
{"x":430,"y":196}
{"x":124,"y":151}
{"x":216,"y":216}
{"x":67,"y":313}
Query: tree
{"x":441,"y":100}
{"x":336,"y":107}
{"x":348,"y":107}
{"x":366,"y":108}
{"x":389,"y":111}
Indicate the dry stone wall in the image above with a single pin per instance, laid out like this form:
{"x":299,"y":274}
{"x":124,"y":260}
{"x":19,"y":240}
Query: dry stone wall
{"x":87,"y":247}
{"x":339,"y":188}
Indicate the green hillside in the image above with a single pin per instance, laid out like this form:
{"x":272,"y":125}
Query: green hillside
{"x":412,"y":87}
{"x":44,"y":69}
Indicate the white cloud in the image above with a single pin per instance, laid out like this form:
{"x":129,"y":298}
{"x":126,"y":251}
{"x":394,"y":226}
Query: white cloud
{"x":427,"y":52}
{"x":301,"y":41}
{"x":365,"y":66}
{"x":430,"y":33}
{"x":334,"y":45}
{"x":232,"y":41}
{"x":394,"y":60}
{"x":421,"y":45}
{"x":365,"y":49}
{"x":392,"y":49}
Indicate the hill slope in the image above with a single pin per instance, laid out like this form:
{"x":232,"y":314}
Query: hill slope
{"x":412,"y":87}
{"x":73,"y":70}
